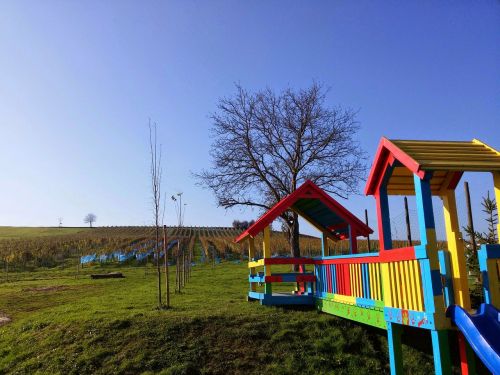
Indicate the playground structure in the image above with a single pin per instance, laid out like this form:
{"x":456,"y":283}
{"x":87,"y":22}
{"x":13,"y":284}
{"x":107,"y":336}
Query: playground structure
{"x":420,"y":286}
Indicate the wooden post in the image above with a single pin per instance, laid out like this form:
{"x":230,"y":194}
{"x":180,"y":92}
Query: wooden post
{"x":470,"y":221}
{"x":441,"y":352}
{"x":496,"y":182}
{"x":324,"y":244}
{"x":394,"y":332}
{"x":368,"y":237}
{"x":353,"y":241}
{"x":184,"y":268}
{"x":177,"y":269}
{"x":165,"y":249}
{"x":251,"y":256}
{"x":408,"y":227}
{"x":266,"y":250}
{"x":456,"y":249}
{"x":431,"y":283}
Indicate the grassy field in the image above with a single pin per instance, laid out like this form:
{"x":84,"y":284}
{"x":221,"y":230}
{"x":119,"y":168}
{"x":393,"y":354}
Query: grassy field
{"x":75,"y":325}
{"x":30,"y":232}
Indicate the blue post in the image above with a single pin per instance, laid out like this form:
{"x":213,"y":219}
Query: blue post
{"x":441,"y":352}
{"x":394,"y":332}
{"x":423,"y":198}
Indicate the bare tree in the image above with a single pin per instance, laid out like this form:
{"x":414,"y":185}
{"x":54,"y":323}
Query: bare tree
{"x":89,"y":219}
{"x":265,"y":145}
{"x":155,"y":173}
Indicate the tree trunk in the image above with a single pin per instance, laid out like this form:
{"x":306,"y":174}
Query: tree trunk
{"x":293,"y":237}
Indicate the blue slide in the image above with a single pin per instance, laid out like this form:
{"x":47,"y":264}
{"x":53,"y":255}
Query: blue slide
{"x":482,"y":331}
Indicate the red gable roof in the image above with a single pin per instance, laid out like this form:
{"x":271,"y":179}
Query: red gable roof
{"x":317,"y":207}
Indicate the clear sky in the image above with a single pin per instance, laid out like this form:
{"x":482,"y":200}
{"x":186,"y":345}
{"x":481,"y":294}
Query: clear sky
{"x":79,"y":80}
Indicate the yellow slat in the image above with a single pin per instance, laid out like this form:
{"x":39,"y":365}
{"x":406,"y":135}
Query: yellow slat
{"x":463,"y":163}
{"x":413,"y":283}
{"x":351,"y":279}
{"x":378,"y":280}
{"x":457,"y":156}
{"x":418,"y":286}
{"x":356,"y":277}
{"x":401,"y":275}
{"x":361,"y":283}
{"x":370,"y":277}
{"x":394,"y":286}
{"x":488,"y":147}
{"x":385,"y":274}
{"x":409,"y":289}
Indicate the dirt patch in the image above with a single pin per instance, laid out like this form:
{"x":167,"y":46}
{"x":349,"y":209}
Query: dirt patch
{"x":47,"y":288}
{"x":4,"y":319}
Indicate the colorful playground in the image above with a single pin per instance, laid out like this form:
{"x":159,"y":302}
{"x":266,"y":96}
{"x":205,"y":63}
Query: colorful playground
{"x":421,"y":286}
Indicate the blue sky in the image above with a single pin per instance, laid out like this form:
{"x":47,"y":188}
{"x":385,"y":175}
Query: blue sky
{"x":79,"y":81}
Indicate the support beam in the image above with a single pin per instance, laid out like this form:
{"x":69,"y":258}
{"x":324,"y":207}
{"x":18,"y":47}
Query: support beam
{"x":382,"y":204}
{"x":456,"y":250}
{"x":324,"y":245}
{"x":266,"y":250}
{"x":426,"y":224}
{"x":431,"y":278}
{"x":441,"y":352}
{"x":367,"y":237}
{"x":394,"y":332}
{"x":496,"y":182}
{"x":384,"y":221}
{"x":353,"y":241}
{"x":467,"y":357}
{"x":251,"y":256}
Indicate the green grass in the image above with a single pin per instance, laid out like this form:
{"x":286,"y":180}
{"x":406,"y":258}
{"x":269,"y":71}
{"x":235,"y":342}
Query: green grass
{"x":27,"y":232}
{"x":108,"y":326}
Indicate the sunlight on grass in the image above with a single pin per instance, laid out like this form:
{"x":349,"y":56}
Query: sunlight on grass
{"x":67,"y":324}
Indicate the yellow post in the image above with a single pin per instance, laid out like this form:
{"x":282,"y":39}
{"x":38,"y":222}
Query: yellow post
{"x":251,"y":255}
{"x":456,"y":249}
{"x":496,"y":182}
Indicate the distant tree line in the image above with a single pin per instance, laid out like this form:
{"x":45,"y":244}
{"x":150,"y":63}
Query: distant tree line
{"x":243,"y":225}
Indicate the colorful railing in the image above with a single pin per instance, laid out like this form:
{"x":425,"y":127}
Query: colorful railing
{"x":303,"y":279}
{"x":405,"y":285}
{"x":378,"y":287}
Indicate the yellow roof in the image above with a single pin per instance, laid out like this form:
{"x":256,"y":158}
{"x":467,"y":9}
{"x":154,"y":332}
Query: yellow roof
{"x":449,"y":155}
{"x":446,"y":159}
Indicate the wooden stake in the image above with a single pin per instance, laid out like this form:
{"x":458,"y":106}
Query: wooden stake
{"x":368,"y":237}
{"x":408,"y":227}
{"x":165,"y":250}
{"x":469,"y":216}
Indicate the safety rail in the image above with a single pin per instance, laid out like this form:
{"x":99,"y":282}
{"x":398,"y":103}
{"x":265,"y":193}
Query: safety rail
{"x":304,"y":280}
{"x":371,"y":278}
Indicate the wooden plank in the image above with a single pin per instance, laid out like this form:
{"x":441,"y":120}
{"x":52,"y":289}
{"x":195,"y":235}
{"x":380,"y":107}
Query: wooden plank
{"x":478,"y":142}
{"x":408,"y":286}
{"x":407,"y":180}
{"x":111,"y":275}
{"x":443,"y":163}
{"x":456,"y":156}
